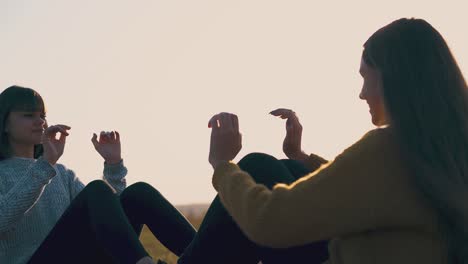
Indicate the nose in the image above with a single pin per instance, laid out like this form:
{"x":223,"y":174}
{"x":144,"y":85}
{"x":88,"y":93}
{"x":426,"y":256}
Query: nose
{"x":40,"y":121}
{"x":361,"y":95}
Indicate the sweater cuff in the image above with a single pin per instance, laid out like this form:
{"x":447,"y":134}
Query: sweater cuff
{"x":117,"y":170}
{"x":314,"y":162}
{"x":43,"y":171}
{"x":222,"y":170}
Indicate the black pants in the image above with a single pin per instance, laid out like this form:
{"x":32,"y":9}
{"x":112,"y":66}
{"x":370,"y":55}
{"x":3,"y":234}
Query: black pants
{"x":101,"y":227}
{"x":219,"y":239}
{"x":98,"y":227}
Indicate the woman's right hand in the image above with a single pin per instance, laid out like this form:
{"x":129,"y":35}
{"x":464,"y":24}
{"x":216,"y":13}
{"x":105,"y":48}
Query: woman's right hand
{"x":292,"y":142}
{"x":53,"y":147}
{"x":226,"y":140}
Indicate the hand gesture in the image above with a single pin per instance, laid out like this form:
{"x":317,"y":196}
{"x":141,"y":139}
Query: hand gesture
{"x":226,"y":140}
{"x":108,"y":146}
{"x":292,"y":142}
{"x":53,"y":147}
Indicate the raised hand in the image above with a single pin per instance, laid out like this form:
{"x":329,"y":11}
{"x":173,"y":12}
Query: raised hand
{"x":226,"y":140}
{"x":292,"y":142}
{"x":108,"y":146}
{"x":53,"y":147}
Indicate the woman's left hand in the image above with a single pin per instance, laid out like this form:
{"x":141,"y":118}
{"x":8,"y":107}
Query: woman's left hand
{"x":226,"y":140}
{"x":108,"y":146}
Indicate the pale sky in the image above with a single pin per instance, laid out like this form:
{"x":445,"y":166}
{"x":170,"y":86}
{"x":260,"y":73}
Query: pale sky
{"x":156,"y":71}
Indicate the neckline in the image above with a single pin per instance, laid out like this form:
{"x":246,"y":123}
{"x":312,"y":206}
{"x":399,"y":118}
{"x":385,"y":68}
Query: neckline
{"x":22,"y":158}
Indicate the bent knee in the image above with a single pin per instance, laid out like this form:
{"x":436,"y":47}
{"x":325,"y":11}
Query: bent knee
{"x":97,"y":186}
{"x":257,"y":158}
{"x":139,"y":189}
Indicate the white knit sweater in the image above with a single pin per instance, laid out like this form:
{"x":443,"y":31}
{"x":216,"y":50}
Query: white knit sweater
{"x":33,"y":196}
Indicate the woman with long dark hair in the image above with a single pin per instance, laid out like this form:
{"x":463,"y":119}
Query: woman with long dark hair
{"x":400,"y":194}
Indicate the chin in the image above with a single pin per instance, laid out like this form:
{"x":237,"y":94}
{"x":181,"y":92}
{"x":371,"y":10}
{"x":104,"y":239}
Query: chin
{"x":379,"y":123}
{"x":376,"y":121}
{"x":37,"y":141}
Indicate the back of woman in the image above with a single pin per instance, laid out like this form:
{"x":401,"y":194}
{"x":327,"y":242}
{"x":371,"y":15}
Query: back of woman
{"x":426,"y":102}
{"x":401,"y":225}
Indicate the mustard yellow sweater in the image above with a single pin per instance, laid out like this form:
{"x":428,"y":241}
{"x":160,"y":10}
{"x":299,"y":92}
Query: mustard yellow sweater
{"x":362,"y":201}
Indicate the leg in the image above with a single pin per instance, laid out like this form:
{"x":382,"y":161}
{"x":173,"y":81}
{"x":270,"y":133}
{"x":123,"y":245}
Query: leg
{"x":145,"y":205}
{"x":93,"y":228}
{"x":219,"y":239}
{"x":296,"y":168}
{"x":315,"y":252}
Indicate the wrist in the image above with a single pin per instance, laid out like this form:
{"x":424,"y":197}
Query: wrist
{"x":300,"y":156}
{"x":216,"y":163}
{"x":50,"y":160}
{"x":112,"y":161}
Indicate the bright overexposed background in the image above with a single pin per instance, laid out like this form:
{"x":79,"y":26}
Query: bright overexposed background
{"x":156,"y":71}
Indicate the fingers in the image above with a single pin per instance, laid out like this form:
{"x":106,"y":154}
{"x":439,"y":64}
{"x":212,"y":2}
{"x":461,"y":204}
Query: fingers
{"x":292,"y":121}
{"x":53,"y":130}
{"x":62,"y":137}
{"x":94,"y":140}
{"x":283,"y":113}
{"x":213,"y":122}
{"x":278,"y":112}
{"x":103,"y":137}
{"x":56,"y":129}
{"x":226,"y":121}
{"x":106,"y":137}
{"x":63,"y":126}
{"x":235,"y":123}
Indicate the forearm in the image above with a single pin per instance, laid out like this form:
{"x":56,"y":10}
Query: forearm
{"x":257,"y":210}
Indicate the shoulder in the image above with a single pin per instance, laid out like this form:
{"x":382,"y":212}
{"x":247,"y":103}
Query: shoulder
{"x":64,"y":171}
{"x":378,"y":134}
{"x":377,"y":138}
{"x":375,"y":144}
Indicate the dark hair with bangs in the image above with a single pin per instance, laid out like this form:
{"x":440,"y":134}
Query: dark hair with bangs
{"x":17,"y":98}
{"x":425,"y":95}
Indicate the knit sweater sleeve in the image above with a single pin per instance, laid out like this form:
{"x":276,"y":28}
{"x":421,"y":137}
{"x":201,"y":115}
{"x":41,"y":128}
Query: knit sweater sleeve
{"x":114,"y":175}
{"x":26,"y":191}
{"x":337,"y":199}
{"x":314,"y":162}
{"x":75,"y":185}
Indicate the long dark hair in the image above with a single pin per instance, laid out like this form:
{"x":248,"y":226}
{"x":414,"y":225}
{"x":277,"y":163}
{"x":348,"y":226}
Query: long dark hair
{"x":17,"y":98}
{"x":425,"y":96}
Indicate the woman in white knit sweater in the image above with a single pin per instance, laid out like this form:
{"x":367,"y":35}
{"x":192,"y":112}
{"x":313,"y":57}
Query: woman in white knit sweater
{"x":47,"y":215}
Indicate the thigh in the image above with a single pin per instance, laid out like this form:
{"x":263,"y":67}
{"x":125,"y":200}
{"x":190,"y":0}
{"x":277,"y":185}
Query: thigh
{"x":269,"y":171}
{"x":266,"y":169}
{"x":219,"y":239}
{"x":143,"y":204}
{"x":296,"y":168}
{"x":72,"y":239}
{"x":314,"y":253}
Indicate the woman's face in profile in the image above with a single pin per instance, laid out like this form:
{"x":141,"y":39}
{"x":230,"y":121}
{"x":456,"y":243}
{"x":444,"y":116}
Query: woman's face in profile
{"x":372,"y":92}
